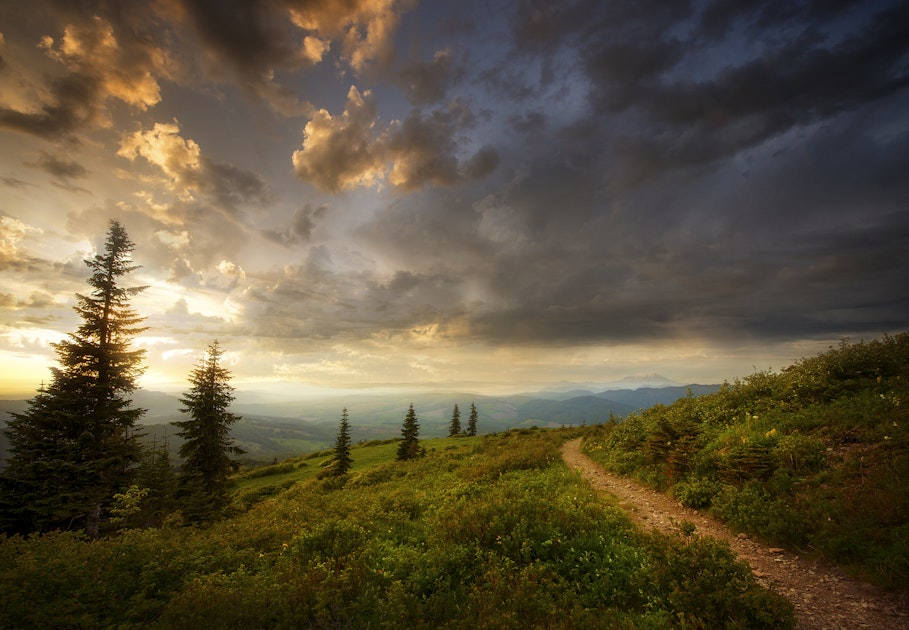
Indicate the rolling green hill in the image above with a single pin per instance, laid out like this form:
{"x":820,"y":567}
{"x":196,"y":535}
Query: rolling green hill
{"x":495,"y":530}
{"x":489,"y":531}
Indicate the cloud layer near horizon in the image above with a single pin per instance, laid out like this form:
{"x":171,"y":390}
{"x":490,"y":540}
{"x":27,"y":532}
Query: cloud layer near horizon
{"x":334,"y":183}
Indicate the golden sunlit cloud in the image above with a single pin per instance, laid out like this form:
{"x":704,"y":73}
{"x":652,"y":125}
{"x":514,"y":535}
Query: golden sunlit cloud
{"x":163,"y":146}
{"x":339,"y":152}
{"x":12,"y":231}
{"x":352,"y":150}
{"x":98,"y":68}
{"x":365,"y":27}
{"x":92,"y":48}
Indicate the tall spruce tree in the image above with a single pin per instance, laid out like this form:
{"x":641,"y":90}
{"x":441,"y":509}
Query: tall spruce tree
{"x":409,"y":447}
{"x":455,"y":427}
{"x":472,"y":420}
{"x":342,"y":461}
{"x":208,"y":445}
{"x":75,"y":445}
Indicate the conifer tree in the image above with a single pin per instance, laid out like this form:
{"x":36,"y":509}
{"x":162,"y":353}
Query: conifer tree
{"x":75,"y":445}
{"x":472,"y":420}
{"x":455,"y":427}
{"x":409,"y":447}
{"x":342,"y":461}
{"x":156,"y":475}
{"x":208,"y":445}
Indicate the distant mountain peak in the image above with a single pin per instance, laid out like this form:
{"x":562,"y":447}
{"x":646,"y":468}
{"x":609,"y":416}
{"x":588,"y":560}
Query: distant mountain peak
{"x":637,"y":381}
{"x":653,"y":377}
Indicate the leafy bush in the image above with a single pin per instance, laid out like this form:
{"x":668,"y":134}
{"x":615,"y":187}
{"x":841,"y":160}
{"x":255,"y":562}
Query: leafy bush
{"x":801,"y":454}
{"x":698,"y":493}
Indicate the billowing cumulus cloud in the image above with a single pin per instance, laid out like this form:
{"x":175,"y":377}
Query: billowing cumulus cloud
{"x":97,"y":68}
{"x":106,"y":53}
{"x":338,"y":151}
{"x":365,"y":28}
{"x":352,"y":149}
{"x":189,"y":173}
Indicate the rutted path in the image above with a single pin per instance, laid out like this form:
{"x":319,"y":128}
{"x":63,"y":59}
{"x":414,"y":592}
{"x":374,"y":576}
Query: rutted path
{"x":823,"y":597}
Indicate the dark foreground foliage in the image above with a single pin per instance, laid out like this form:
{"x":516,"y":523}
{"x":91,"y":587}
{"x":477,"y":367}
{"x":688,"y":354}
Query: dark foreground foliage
{"x":815,"y":457}
{"x":488,"y":532}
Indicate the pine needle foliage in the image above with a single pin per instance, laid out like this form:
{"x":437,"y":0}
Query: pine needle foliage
{"x":208,"y":445}
{"x":343,"y":460}
{"x":409,"y":447}
{"x":76,"y":444}
{"x":472,"y":420}
{"x":455,"y":427}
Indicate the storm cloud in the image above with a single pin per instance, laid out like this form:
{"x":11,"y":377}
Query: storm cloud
{"x":407,"y":190}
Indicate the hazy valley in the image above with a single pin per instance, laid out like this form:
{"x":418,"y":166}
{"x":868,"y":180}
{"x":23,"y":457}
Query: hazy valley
{"x":280,"y":429}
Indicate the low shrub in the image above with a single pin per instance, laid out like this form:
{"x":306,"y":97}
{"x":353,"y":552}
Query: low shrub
{"x":267,"y":471}
{"x":697,"y":493}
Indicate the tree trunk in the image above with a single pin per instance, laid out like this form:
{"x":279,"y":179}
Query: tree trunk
{"x":93,"y":521}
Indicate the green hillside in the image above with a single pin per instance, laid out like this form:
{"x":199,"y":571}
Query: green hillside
{"x":814,"y":457}
{"x":495,"y":531}
{"x":489,"y":531}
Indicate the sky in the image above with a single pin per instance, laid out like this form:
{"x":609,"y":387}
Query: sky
{"x":488,"y":195}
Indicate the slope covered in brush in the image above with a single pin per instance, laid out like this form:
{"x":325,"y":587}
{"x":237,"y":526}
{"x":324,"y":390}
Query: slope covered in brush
{"x":490,"y":531}
{"x":815,"y":456}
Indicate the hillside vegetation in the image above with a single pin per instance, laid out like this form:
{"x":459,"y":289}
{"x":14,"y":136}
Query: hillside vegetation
{"x":489,"y":531}
{"x":814,"y":457}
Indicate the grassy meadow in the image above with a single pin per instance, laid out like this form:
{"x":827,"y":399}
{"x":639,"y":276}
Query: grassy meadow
{"x":491,"y":531}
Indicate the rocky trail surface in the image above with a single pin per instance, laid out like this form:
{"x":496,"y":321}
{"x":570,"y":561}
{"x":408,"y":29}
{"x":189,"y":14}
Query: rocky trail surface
{"x":823,"y":596}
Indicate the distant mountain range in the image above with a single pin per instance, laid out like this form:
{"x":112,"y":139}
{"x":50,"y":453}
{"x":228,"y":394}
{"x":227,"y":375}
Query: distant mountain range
{"x":277,"y":429}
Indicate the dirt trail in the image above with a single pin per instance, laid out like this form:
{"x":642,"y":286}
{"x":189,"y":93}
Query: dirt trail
{"x":823,"y":596}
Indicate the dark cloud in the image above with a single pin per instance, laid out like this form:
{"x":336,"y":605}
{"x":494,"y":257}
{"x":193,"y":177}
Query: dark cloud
{"x":62,"y":168}
{"x":232,"y":187}
{"x":803,"y":79}
{"x":481,"y":164}
{"x":250,"y":36}
{"x":301,"y":225}
{"x":14,"y":182}
{"x":529,"y":123}
{"x":429,"y":82}
{"x":797,"y":237}
{"x":257,"y":40}
{"x":74,"y":104}
{"x":314,"y":301}
{"x":423,"y":148}
{"x":190,"y":172}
